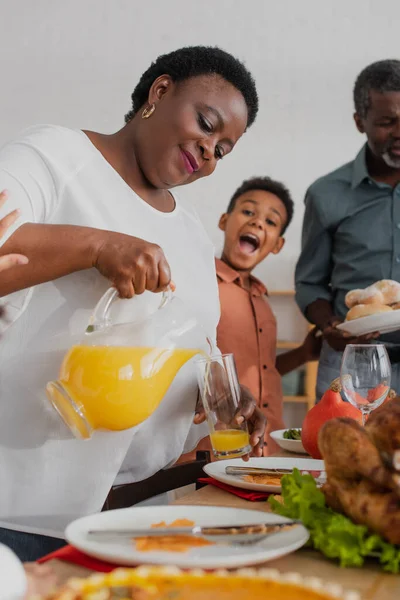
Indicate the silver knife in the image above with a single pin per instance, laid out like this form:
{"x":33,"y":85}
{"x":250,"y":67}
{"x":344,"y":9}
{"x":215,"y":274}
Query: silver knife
{"x":217,"y":533}
{"x":256,"y":471}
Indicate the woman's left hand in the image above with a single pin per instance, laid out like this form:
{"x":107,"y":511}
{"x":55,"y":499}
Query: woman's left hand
{"x":9,"y":260}
{"x":247,"y":411}
{"x":41,"y":579}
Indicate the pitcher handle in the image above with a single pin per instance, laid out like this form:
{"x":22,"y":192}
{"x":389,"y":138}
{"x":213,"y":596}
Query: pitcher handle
{"x":100,"y":318}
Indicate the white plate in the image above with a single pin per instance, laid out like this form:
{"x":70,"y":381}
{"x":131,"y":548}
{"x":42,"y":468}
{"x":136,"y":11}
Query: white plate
{"x":383,"y":322}
{"x":123,"y":552}
{"x":217,"y":470}
{"x":289,"y":445}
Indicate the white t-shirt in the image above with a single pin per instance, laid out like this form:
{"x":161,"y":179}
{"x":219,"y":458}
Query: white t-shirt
{"x":13,"y":579}
{"x":55,"y":175}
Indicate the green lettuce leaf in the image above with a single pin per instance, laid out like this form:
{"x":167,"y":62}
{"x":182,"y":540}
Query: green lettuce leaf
{"x":333,"y":534}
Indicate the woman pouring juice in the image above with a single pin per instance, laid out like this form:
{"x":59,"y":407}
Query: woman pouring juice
{"x":97,"y":209}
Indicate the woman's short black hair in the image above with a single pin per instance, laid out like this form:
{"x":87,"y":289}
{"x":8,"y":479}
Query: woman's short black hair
{"x":266,"y":184}
{"x":193,"y":61}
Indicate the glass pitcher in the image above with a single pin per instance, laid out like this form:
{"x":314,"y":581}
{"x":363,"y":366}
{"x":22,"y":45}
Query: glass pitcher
{"x":119,"y":373}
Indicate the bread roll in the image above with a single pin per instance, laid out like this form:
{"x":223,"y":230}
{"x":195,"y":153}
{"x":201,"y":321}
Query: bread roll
{"x":365,"y":310}
{"x":385,"y":291}
{"x":371,"y":295}
{"x":396,"y":306}
{"x":390,"y":290}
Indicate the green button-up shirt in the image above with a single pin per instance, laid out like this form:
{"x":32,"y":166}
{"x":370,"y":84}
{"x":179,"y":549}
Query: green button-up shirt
{"x":351,"y":236}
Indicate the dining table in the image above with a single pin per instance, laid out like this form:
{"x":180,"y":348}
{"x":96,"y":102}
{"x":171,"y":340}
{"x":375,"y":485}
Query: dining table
{"x":370,"y":581}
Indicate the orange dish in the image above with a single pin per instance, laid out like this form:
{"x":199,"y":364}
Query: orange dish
{"x":160,"y":583}
{"x":276,"y":478}
{"x":176,"y":543}
{"x":264,"y":479}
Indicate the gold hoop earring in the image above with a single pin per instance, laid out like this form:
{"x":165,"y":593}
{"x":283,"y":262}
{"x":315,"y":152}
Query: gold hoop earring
{"x":148,"y":111}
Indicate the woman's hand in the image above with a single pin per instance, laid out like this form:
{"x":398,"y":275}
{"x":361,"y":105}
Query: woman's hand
{"x":132,"y":264}
{"x":247,"y":411}
{"x":9,"y":260}
{"x":256,"y":421}
{"x":41,"y":579}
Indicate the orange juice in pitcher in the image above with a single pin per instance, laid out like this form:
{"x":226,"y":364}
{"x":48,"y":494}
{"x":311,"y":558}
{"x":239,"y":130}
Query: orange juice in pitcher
{"x":116,"y":387}
{"x":109,"y":382}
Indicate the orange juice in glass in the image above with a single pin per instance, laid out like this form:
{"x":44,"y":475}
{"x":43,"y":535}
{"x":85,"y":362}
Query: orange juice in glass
{"x":220,"y":393}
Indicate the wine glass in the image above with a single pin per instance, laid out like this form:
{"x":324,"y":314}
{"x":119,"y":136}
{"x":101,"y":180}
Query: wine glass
{"x":365,"y":376}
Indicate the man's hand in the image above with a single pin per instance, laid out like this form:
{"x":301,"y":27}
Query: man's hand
{"x":321,"y":313}
{"x":338,"y":339}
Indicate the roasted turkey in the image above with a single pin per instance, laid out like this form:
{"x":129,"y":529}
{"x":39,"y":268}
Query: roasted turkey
{"x":362,"y":481}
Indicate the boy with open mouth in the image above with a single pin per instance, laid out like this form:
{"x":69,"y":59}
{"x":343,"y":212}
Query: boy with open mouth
{"x":254,"y":225}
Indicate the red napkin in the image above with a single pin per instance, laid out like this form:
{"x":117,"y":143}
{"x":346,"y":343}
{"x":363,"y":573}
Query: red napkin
{"x":70,"y":554}
{"x":250,"y":495}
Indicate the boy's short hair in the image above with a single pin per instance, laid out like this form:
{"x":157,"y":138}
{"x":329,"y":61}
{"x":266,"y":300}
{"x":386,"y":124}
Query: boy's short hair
{"x":266,"y":184}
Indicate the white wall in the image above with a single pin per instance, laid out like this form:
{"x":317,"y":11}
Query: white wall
{"x":75,"y":63}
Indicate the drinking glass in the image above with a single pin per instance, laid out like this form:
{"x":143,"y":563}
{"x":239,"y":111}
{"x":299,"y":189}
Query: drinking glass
{"x":365,"y":376}
{"x":220,"y":393}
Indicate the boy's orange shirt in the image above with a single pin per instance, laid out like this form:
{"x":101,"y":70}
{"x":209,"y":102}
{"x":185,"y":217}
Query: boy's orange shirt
{"x":247,"y":329}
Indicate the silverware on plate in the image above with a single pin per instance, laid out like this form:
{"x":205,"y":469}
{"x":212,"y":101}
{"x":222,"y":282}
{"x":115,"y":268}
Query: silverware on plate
{"x":256,"y":471}
{"x":241,"y":534}
{"x":320,"y":480}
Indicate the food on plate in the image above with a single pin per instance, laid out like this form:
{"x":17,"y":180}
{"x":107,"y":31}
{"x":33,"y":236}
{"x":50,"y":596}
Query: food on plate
{"x":382,"y":296}
{"x":292,"y":434}
{"x":330,"y":406}
{"x":175,"y":543}
{"x":332,"y":533}
{"x":359,"y":483}
{"x":160,"y":583}
{"x":383,"y":428}
{"x":350,"y":455}
{"x":367,"y":296}
{"x":356,"y":514}
{"x":365,"y":504}
{"x":264,"y":479}
{"x":390,"y":290}
{"x":366,"y":310}
{"x":276,"y":479}
{"x":385,"y":291}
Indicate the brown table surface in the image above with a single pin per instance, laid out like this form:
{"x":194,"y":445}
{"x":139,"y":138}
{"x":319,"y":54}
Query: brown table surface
{"x":369,"y":581}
